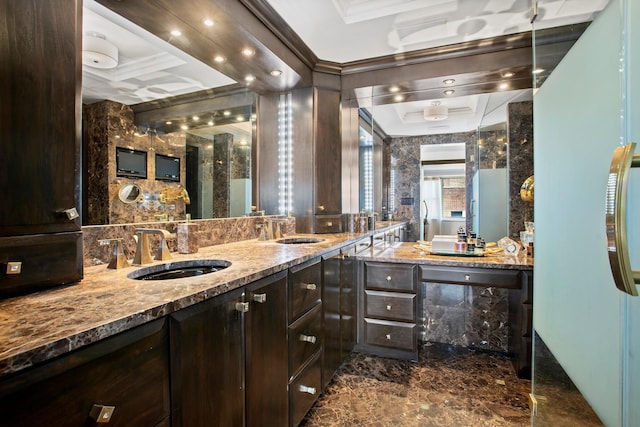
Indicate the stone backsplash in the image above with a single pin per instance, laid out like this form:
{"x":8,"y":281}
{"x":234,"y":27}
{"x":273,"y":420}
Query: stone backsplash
{"x":209,"y":232}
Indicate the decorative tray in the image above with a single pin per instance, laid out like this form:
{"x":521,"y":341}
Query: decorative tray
{"x":454,"y":253}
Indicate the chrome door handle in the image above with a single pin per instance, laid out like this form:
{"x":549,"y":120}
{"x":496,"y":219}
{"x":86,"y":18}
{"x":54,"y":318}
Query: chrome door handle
{"x":616,"y":218}
{"x":261,"y":298}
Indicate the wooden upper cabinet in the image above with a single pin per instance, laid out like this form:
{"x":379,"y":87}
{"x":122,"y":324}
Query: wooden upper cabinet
{"x":40,"y":112}
{"x":328,"y":147}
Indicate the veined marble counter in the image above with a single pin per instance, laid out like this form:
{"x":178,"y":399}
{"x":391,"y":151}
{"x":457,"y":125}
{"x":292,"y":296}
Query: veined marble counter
{"x":40,"y":326}
{"x":405,"y":252}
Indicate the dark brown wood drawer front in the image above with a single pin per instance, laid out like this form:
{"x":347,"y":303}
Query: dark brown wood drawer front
{"x":390,"y":305}
{"x":305,"y":290}
{"x":389,"y":277}
{"x":472,"y":276}
{"x":305,"y":389}
{"x":391,"y":334}
{"x":304,"y":338}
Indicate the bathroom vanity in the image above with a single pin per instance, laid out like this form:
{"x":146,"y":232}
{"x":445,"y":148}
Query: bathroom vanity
{"x":247,"y":343}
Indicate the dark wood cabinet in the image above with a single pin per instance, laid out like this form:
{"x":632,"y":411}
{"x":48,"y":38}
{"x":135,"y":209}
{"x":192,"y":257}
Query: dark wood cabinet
{"x":207,"y":363}
{"x":266,"y":345}
{"x":389,"y":304}
{"x":40,"y":111}
{"x":305,"y":334}
{"x":127,"y":375}
{"x":339,"y":309}
{"x":229,"y":358}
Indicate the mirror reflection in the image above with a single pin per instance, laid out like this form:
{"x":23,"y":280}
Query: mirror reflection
{"x":449,"y":160}
{"x":193,"y":124}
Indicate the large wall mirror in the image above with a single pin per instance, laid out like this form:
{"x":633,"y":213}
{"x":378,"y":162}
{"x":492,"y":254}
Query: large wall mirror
{"x":145,"y":95}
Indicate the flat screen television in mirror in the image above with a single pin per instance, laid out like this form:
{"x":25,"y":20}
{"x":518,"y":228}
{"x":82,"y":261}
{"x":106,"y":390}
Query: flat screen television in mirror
{"x":131,"y":163}
{"x":167,"y":168}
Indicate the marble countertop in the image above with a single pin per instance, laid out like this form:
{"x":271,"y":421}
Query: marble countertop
{"x":43,"y":325}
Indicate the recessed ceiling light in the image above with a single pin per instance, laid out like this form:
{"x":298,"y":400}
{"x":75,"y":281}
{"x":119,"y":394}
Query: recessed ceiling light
{"x":226,"y":113}
{"x":276,"y":73}
{"x":449,"y":92}
{"x":249,"y":78}
{"x":168,"y":122}
{"x":210,"y":122}
{"x":394,"y":89}
{"x":240,"y":118}
{"x":195,"y":118}
{"x":449,"y":81}
{"x":398,"y":98}
{"x":208,"y":22}
{"x":503,"y":86}
{"x":538,"y":70}
{"x":184,"y":127}
{"x":507,"y":74}
{"x":219,"y":58}
{"x":243,"y":142}
{"x":248,"y":51}
{"x":176,"y":33}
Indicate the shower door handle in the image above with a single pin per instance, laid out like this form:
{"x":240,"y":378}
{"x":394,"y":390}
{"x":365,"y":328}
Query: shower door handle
{"x":616,"y":218}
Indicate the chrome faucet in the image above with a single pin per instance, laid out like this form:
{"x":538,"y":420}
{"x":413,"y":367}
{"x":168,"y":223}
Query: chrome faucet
{"x":143,"y":251}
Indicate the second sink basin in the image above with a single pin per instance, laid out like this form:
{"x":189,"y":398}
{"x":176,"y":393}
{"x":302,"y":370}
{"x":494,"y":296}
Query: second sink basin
{"x":299,"y":240}
{"x":179,"y":269}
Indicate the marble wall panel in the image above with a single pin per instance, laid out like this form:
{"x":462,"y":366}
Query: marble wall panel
{"x":209,"y":232}
{"x":465,"y":315}
{"x":520,"y":129}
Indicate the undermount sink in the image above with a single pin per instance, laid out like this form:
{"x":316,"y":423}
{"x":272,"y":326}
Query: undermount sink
{"x":179,"y":269}
{"x":299,"y":240}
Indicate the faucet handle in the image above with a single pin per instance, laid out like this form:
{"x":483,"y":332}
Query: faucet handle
{"x":118,"y":259}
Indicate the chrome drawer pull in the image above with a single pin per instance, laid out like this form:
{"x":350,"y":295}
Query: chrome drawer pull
{"x":388,"y":278}
{"x":261,"y":298}
{"x":242,"y":307}
{"x":467,"y":277}
{"x":308,"y":338}
{"x":388,"y":336}
{"x":329,"y":224}
{"x":305,"y":389}
{"x":388,"y":307}
{"x":309,"y":286}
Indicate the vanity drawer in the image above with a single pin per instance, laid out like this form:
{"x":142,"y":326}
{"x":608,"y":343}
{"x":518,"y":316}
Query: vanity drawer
{"x":385,"y":333}
{"x":390,"y":305}
{"x":392,"y":277}
{"x":328,"y":223}
{"x":304,"y":339}
{"x":305,"y":389}
{"x":472,"y":276}
{"x":304,"y":288}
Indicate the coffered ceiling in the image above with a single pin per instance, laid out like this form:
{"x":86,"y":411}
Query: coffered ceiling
{"x":335,"y":31}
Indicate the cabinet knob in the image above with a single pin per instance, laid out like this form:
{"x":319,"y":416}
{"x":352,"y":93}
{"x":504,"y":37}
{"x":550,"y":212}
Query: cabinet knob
{"x":261,"y":298}
{"x":388,"y":278}
{"x":388,"y":336}
{"x":305,"y":389}
{"x":242,"y":307}
{"x":467,"y":277}
{"x":321,"y":207}
{"x":308,"y":338}
{"x":71,"y":213}
{"x":388,"y":307}
{"x":329,"y":224}
{"x":101,"y":413}
{"x":309,"y":286}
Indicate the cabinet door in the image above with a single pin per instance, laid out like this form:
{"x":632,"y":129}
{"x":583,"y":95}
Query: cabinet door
{"x":129,"y":371}
{"x":207,"y":363}
{"x":266,"y":358}
{"x":328,"y":149}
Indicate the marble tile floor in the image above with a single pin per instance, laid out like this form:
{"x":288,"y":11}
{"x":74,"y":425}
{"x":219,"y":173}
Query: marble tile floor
{"x":448,"y":386}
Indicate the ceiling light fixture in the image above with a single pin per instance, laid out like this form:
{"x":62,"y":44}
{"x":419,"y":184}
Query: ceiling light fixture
{"x":176,"y":33}
{"x":168,"y":122}
{"x":276,"y":73}
{"x":436,"y":112}
{"x":219,"y":58}
{"x":248,"y":51}
{"x":398,"y":98}
{"x":449,"y":81}
{"x":538,"y":70}
{"x":507,"y":75}
{"x":210,"y":123}
{"x":394,"y":89}
{"x":195,"y":118}
{"x":503,"y":86}
{"x":184,"y":127}
{"x":97,"y":52}
{"x":249,"y":78}
{"x":208,"y":22}
{"x":449,"y":92}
